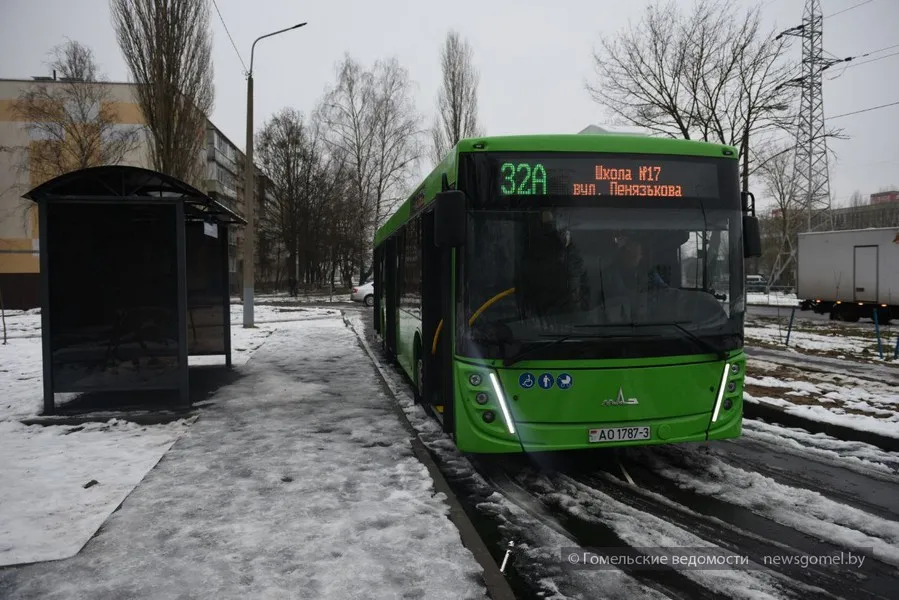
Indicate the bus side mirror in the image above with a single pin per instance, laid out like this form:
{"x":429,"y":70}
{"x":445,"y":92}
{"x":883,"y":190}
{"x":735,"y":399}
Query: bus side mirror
{"x":752,"y":239}
{"x":449,"y":219}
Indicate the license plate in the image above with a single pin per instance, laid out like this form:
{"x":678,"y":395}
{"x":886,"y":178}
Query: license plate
{"x":619,"y":434}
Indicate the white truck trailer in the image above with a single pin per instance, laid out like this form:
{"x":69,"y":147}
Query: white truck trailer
{"x":850,"y":274}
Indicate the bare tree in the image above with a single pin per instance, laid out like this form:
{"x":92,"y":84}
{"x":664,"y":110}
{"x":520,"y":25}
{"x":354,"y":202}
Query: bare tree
{"x":168,"y":48}
{"x":73,"y":118}
{"x":856,"y":199}
{"x":457,"y":100}
{"x":312,"y":216}
{"x":775,"y":172}
{"x":370,"y":121}
{"x":711,"y":74}
{"x":281,"y":149}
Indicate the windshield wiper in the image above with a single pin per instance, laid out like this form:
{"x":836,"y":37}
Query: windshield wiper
{"x":705,"y":344}
{"x":511,"y":360}
{"x":721,"y":354}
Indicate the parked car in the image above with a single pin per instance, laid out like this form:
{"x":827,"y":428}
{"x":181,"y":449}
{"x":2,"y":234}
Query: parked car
{"x":364,"y":293}
{"x":756,"y":283}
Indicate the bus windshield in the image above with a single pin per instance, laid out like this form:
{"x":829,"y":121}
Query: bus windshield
{"x":616,"y":279}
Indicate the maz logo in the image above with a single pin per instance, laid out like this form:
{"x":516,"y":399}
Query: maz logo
{"x":620,"y":400}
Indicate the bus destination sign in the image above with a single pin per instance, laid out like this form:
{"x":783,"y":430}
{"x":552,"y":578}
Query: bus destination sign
{"x":608,"y":177}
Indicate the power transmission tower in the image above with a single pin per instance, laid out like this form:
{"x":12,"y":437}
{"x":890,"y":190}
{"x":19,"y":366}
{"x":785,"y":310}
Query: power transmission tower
{"x":810,"y":163}
{"x":810,"y":171}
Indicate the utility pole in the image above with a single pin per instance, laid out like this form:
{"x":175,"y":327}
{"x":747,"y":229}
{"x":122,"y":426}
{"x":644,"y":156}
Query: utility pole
{"x":249,"y":240}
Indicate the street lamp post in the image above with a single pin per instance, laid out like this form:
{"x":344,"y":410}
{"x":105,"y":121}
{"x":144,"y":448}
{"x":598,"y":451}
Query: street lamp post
{"x":249,"y":240}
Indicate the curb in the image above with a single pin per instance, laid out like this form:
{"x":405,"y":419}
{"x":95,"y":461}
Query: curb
{"x":841,"y":432}
{"x":498,"y":587}
{"x":139,"y":419}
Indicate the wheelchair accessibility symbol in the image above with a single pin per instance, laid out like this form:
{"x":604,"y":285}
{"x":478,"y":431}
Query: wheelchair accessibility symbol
{"x":526,"y":380}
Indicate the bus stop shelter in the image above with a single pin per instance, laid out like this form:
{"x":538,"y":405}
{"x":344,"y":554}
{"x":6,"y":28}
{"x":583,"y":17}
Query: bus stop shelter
{"x":133,"y":280}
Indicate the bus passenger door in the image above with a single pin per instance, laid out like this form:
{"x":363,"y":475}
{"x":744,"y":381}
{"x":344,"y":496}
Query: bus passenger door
{"x":434,"y":279}
{"x":390,"y":285}
{"x":378,"y":266}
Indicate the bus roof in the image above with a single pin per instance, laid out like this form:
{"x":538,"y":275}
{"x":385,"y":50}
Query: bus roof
{"x":601,"y":142}
{"x":615,"y":143}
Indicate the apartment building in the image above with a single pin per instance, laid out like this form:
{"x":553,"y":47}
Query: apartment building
{"x":225,"y":183}
{"x":19,"y":243}
{"x":18,"y":217}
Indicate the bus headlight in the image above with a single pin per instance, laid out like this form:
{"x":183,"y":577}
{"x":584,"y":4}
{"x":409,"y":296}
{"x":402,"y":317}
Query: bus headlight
{"x":482,"y":398}
{"x":475,"y":379}
{"x":720,"y":393}
{"x":507,"y":416}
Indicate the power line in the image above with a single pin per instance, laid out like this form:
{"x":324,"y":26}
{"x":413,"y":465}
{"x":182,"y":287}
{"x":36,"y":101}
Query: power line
{"x":229,"y":35}
{"x":864,"y":110}
{"x":864,"y":62}
{"x":849,"y":59}
{"x":848,"y":9}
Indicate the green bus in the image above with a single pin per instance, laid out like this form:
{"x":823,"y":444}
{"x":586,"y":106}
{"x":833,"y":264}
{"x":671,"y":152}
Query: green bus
{"x":561,"y":292}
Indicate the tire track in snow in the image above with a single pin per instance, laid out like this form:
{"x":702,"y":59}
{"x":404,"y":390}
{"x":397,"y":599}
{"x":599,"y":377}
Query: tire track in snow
{"x":804,"y":511}
{"x":602,"y":521}
{"x":872,"y":492}
{"x":722,"y":527}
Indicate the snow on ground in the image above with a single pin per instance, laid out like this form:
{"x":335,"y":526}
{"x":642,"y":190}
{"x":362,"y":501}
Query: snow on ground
{"x":299,"y":481}
{"x":886,"y":427}
{"x":544,"y":548}
{"x":856,"y":456}
{"x":45,"y":512}
{"x":775,"y":335}
{"x":302,"y":298}
{"x":642,"y":530}
{"x":21,"y":394}
{"x":27,"y":324}
{"x":853,"y":402}
{"x":821,"y":337}
{"x":772,"y":299}
{"x":803,"y":510}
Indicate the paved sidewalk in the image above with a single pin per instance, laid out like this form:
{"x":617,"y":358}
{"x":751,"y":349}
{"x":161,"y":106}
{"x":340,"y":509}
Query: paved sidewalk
{"x":299,"y":482}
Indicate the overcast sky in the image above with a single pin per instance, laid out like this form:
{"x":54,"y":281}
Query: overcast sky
{"x":533,"y":56}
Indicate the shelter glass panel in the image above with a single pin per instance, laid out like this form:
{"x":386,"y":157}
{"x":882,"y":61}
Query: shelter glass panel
{"x":113,"y":296}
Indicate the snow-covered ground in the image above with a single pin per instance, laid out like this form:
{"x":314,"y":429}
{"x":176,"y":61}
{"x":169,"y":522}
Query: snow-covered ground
{"x":837,"y":398}
{"x":821,"y":337}
{"x":854,"y":456}
{"x":27,"y":324}
{"x":301,"y":298}
{"x":45,"y":511}
{"x":299,"y":480}
{"x":818,"y":516}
